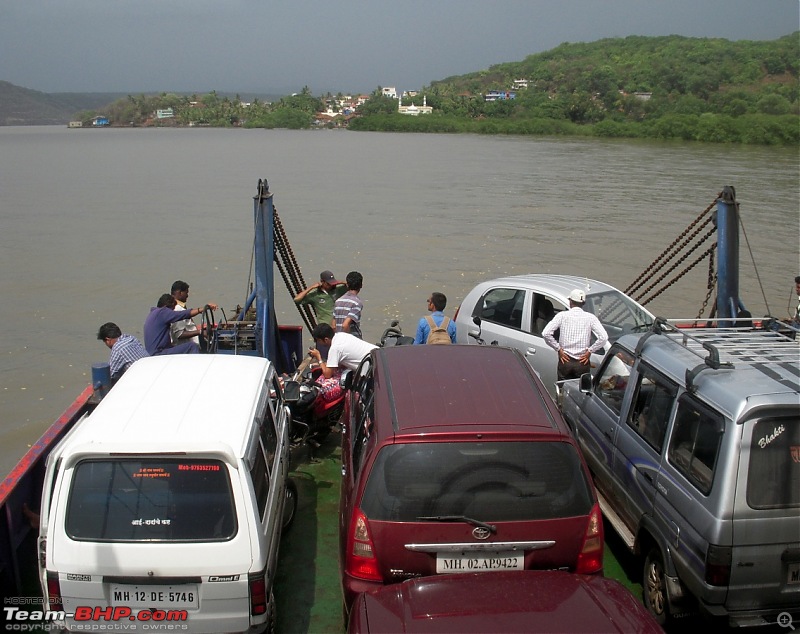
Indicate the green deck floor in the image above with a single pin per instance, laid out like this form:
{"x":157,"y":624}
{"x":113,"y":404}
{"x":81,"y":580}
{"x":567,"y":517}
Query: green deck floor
{"x":307,"y":590}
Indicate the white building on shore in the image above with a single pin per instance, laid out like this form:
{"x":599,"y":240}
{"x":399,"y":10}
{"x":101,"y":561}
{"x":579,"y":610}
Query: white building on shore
{"x":412,"y":109}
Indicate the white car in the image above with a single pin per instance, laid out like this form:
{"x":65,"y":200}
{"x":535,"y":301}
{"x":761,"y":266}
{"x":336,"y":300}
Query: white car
{"x":514,"y":310}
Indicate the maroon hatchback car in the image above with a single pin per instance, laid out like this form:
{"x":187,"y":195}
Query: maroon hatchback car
{"x":528,"y":601}
{"x":456,"y":459}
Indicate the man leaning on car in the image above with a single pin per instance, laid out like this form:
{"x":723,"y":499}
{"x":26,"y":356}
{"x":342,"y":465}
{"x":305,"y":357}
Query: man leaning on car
{"x":574,"y":344}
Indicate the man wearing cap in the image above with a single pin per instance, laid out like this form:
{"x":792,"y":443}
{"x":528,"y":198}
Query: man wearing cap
{"x":574,"y":344}
{"x":322,"y":296}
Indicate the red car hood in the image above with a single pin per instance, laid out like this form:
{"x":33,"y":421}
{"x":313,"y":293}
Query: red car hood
{"x":550,"y":601}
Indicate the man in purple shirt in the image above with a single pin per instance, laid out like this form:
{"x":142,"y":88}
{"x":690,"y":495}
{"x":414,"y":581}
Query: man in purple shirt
{"x":157,"y":339}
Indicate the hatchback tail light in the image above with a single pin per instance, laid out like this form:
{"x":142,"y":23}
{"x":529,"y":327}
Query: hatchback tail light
{"x":590,"y":559}
{"x":56,"y":603}
{"x":718,"y":565}
{"x":361,"y":561}
{"x":258,"y":594}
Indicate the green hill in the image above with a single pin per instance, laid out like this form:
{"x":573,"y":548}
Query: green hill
{"x":22,"y":106}
{"x":704,"y":89}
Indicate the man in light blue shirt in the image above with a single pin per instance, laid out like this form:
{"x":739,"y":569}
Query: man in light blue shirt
{"x":436,"y":304}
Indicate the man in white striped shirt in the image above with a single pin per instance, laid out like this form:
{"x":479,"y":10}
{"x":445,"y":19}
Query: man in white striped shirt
{"x":347,"y":309}
{"x":574,"y":344}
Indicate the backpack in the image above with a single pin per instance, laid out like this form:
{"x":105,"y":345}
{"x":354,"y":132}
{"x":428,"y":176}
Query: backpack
{"x":438,"y":334}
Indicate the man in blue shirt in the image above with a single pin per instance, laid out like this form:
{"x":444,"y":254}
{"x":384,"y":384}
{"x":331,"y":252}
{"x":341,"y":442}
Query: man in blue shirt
{"x":436,"y":304}
{"x":125,"y":349}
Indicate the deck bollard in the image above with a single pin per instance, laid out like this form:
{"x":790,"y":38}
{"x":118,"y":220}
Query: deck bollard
{"x":101,"y":380}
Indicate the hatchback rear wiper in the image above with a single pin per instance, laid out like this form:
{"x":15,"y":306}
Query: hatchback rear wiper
{"x":459,"y":518}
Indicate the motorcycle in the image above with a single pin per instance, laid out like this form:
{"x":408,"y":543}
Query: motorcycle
{"x":313,"y":417}
{"x":477,"y":335}
{"x":393,"y":336}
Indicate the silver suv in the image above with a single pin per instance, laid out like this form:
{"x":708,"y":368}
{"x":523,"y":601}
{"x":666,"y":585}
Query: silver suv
{"x":514,"y":310}
{"x":693,"y":438}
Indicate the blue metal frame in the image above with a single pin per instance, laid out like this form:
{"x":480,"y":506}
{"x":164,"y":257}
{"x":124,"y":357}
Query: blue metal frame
{"x":264,"y":216}
{"x":728,"y":302}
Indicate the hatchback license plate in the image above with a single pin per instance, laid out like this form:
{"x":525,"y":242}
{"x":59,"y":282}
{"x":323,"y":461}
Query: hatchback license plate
{"x":182,"y":596}
{"x":794,"y":574}
{"x":478,"y":562}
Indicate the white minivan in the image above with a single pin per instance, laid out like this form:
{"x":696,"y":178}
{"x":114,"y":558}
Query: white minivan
{"x":166,"y":503}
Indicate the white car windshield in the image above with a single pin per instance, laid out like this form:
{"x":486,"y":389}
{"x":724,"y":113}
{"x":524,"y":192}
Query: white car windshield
{"x":618,"y":313}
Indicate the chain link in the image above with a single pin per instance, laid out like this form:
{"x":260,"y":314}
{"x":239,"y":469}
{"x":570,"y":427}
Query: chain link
{"x":676,"y":245}
{"x":712,"y":282}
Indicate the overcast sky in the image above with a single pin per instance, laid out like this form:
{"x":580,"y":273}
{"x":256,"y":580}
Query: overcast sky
{"x":279,"y":46}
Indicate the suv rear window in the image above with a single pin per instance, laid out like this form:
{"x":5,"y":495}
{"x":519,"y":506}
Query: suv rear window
{"x":774,"y":477}
{"x":488,"y":481}
{"x":151,"y":500}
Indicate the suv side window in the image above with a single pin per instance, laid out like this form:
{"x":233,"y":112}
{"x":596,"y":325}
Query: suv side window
{"x":260,"y":476}
{"x":651,"y":408}
{"x":612,"y":380}
{"x":502,"y":306}
{"x":695,"y":443}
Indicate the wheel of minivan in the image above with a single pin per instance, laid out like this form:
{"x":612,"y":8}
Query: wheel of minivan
{"x":654,"y":587}
{"x":289,"y":504}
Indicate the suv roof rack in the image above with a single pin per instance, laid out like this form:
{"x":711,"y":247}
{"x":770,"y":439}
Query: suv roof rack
{"x":728,"y":347}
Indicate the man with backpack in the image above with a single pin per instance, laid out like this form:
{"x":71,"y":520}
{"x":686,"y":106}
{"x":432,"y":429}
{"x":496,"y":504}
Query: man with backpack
{"x":436,"y":328}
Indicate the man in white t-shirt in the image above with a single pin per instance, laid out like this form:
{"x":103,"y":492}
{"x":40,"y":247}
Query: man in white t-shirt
{"x":185,"y":329}
{"x":346,"y":351}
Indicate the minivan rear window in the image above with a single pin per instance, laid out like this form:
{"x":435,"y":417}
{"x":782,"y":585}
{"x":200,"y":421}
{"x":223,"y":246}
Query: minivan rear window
{"x":151,"y":500}
{"x":773,"y":480}
{"x":487,"y":481}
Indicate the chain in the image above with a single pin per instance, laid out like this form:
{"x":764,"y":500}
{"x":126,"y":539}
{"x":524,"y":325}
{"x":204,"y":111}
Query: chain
{"x":290,"y":271}
{"x":712,"y":282}
{"x":654,"y":266}
{"x":699,"y":259}
{"x":674,"y":266}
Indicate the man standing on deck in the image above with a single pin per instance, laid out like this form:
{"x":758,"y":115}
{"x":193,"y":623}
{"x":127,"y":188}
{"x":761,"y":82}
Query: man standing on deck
{"x":797,"y":310}
{"x":347,"y":310}
{"x":436,"y":306}
{"x":574,"y":345}
{"x":322,"y":296}
{"x":185,"y":329}
{"x":157,"y":339}
{"x":125,"y":349}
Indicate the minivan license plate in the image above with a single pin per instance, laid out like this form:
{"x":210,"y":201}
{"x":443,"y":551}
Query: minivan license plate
{"x":181,"y":596}
{"x":478,"y":562}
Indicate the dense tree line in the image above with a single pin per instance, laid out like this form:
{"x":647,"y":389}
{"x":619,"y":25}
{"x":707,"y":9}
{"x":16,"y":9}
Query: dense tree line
{"x":673,"y":87}
{"x":652,"y":87}
{"x":295,"y":111}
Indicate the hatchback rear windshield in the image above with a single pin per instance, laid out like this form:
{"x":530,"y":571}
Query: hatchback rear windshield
{"x":151,"y":500}
{"x":487,"y":481}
